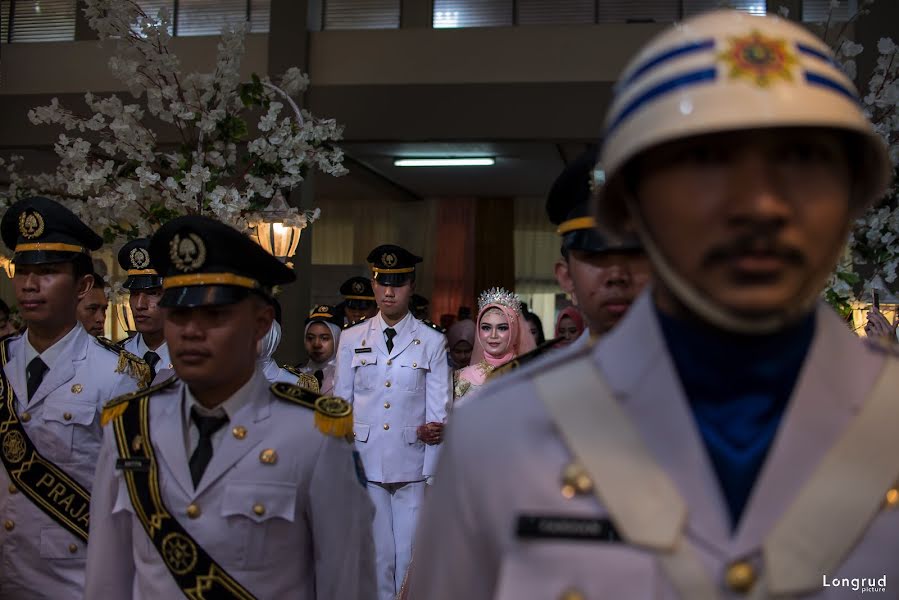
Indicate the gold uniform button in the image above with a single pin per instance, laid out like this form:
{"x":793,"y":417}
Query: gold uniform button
{"x":389,"y":362}
{"x":239,"y":432}
{"x":193,"y":511}
{"x":572,"y":594}
{"x":13,"y":489}
{"x":386,"y":426}
{"x":387,"y":405}
{"x":73,"y":548}
{"x":26,"y":417}
{"x":259,"y":509}
{"x":740,"y":577}
{"x":67,"y":416}
{"x":363,"y":361}
{"x":414,"y":365}
{"x":387,"y":384}
{"x":892,"y":498}
{"x":9,"y":525}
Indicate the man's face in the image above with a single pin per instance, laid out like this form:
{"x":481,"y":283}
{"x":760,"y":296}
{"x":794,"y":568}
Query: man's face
{"x":319,"y":342}
{"x":48,"y":294}
{"x":149,"y":317}
{"x":354,"y":315}
{"x":211,"y":345}
{"x":92,"y":311}
{"x":393,"y":300}
{"x":753,"y":221}
{"x":603,"y":284}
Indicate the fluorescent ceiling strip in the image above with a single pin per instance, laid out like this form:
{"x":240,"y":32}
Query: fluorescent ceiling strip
{"x":444,"y":162}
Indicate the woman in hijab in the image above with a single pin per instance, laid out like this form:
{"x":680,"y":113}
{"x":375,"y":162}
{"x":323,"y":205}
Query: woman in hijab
{"x":271,"y":369}
{"x":569,"y":326}
{"x":502,"y":334}
{"x":460,"y":339}
{"x":321,"y":338}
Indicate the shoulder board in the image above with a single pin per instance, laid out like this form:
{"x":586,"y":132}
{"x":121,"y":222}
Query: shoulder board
{"x":359,"y":322}
{"x":882,"y":346}
{"x":333,"y":416}
{"x":129,"y":363}
{"x":525,"y":358}
{"x":304,"y":380}
{"x":434,"y":326}
{"x":121,"y":343}
{"x":117,"y":406}
{"x":292,"y":370}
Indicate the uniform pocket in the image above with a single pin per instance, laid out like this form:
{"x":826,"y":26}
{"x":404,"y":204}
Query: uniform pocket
{"x":70,"y":434}
{"x":360,"y":431}
{"x":365,"y":370}
{"x":596,"y":570}
{"x":59,"y":544}
{"x":139,"y":538}
{"x":259,"y":511}
{"x":412,"y":372}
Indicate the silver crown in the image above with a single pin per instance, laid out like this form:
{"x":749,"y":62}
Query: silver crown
{"x":499,"y":295}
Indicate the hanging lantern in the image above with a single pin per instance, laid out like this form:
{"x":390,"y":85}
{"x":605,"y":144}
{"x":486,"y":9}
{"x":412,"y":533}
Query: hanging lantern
{"x":279,"y":239}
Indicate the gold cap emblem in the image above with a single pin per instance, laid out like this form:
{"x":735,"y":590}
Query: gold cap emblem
{"x":389,"y":259}
{"x":140,"y":258}
{"x":358,"y":288}
{"x":31,"y":224}
{"x":188,"y":253}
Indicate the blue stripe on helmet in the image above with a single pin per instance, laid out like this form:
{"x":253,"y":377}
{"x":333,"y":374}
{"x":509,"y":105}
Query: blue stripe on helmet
{"x":664,"y":57}
{"x":815,"y":53}
{"x":687,"y":79}
{"x":831,"y":84}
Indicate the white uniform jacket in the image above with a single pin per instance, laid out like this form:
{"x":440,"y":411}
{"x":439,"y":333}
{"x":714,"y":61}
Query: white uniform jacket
{"x":136,"y":346}
{"x":39,"y":559}
{"x":393,"y":393}
{"x":312,"y":540}
{"x":504,"y":459}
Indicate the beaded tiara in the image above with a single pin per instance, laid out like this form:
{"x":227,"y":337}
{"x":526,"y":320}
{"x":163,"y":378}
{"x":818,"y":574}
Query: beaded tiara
{"x":498,"y":295}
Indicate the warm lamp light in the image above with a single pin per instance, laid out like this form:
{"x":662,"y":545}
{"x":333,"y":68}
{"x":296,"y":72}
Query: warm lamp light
{"x":124,"y":315}
{"x":860,"y":314}
{"x":278,"y":239}
{"x":9,"y":266}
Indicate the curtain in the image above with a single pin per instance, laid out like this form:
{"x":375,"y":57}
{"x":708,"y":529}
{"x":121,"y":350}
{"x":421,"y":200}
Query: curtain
{"x":536,"y":252}
{"x":453,"y":264}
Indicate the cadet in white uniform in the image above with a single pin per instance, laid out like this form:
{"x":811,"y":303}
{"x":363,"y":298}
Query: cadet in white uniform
{"x":393,"y":369}
{"x":56,"y":378}
{"x":731,"y":437}
{"x":145,"y":287}
{"x":220,"y":484}
{"x":602,"y":273}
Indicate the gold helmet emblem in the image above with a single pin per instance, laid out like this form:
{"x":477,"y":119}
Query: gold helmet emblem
{"x":389,"y":260}
{"x":31,"y":224}
{"x":188,"y":253}
{"x":358,"y":288}
{"x":140,"y":258}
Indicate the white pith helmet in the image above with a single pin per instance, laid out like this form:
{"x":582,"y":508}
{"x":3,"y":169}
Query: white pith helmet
{"x":729,"y":71}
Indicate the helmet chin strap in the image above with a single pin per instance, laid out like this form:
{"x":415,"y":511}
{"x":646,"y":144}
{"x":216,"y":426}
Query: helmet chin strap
{"x":704,"y":308}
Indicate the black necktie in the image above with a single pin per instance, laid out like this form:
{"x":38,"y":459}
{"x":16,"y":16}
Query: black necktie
{"x":34,"y":375}
{"x":320,"y":376}
{"x":390,"y":332}
{"x":151,"y":358}
{"x":207,"y":426}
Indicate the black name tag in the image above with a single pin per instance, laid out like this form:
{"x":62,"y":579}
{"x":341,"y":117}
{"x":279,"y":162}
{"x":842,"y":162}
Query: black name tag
{"x":362,"y":350}
{"x":132,"y":464}
{"x":568,"y":528}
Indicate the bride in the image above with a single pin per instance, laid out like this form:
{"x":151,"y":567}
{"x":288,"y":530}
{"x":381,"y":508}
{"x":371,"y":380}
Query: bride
{"x":502,"y":334}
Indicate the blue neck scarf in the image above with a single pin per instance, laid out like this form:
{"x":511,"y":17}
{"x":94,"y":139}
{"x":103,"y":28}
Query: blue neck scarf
{"x":738,"y":388}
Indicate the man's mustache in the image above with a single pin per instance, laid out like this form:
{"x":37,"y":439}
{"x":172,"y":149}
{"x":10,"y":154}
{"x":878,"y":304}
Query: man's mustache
{"x":755,"y":244}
